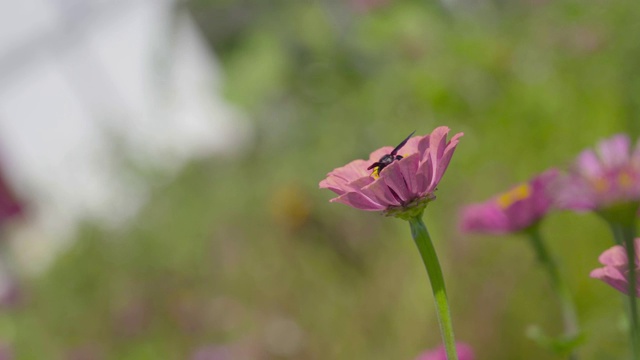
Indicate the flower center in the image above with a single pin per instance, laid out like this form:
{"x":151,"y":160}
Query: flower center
{"x":376,"y":171}
{"x":516,"y":194}
{"x":625,"y":180}
{"x":600,"y":185}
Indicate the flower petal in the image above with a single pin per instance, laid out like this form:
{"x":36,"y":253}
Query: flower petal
{"x":423,"y":148}
{"x":424,"y":177}
{"x":443,"y":162}
{"x":614,"y":256}
{"x":352,"y":171}
{"x":409,"y":169}
{"x":588,"y":164}
{"x":411,"y":147}
{"x":464,"y":353}
{"x":485,"y":218}
{"x":572,"y":192}
{"x":614,"y":151}
{"x":611,"y":276}
{"x":380,"y":192}
{"x":392,"y":176}
{"x":341,"y":186}
{"x":334,"y":184}
{"x":438,"y":141}
{"x":358,"y":201}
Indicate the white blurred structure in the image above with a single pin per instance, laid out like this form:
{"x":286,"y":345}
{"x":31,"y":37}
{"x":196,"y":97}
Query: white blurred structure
{"x":84,"y":82}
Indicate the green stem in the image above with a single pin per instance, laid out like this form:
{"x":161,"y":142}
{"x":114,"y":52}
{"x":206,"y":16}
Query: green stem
{"x":625,"y":235}
{"x":569,"y":317}
{"x":430,"y":259}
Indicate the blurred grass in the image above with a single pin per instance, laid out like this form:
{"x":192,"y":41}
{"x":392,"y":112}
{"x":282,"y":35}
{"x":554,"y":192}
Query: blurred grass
{"x":246,"y":252}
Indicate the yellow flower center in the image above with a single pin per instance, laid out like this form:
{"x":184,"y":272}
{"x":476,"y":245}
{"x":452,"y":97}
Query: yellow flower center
{"x":516,"y":194}
{"x":600,"y":185}
{"x":625,"y":180}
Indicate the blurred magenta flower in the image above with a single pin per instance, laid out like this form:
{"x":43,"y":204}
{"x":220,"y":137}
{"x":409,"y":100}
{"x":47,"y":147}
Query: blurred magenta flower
{"x":515,"y":210}
{"x":603,"y":178}
{"x":6,"y":351}
{"x":464,"y":353}
{"x":616,"y":270}
{"x":10,"y":206}
{"x":405,"y":184}
{"x":12,"y":294}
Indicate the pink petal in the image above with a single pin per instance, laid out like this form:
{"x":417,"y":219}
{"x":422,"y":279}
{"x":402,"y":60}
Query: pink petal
{"x":464,"y":353}
{"x":542,"y":199}
{"x":393,"y":178}
{"x":615,"y":271}
{"x":340,"y":186}
{"x":438,"y":140}
{"x":597,"y":273}
{"x":423,"y":147}
{"x":614,"y":256}
{"x":611,"y":276}
{"x":572,"y":192}
{"x":443,"y":162}
{"x":380,"y":193}
{"x":485,"y":218}
{"x":411,"y":147}
{"x":352,"y":171}
{"x":358,"y":201}
{"x":614,"y":151}
{"x":334,"y":184}
{"x":409,"y":169}
{"x":588,"y":164}
{"x":424,"y":177}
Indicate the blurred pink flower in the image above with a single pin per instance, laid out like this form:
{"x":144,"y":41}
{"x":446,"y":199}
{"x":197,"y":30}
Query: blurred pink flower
{"x":403,"y":184}
{"x":10,"y":206}
{"x":615,"y":271}
{"x":12,"y":294}
{"x":6,"y":351}
{"x":601,"y":179}
{"x":464,"y":353}
{"x":514,"y":210}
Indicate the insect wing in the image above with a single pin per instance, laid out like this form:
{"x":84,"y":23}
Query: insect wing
{"x":373,"y":165}
{"x":395,"y":151}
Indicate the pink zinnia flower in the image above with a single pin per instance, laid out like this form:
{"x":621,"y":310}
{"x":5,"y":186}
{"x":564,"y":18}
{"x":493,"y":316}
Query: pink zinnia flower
{"x":405,"y":184}
{"x":616,"y":270}
{"x":515,"y":210}
{"x":464,"y":353}
{"x":601,"y":179}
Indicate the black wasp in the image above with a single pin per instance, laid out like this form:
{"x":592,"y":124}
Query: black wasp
{"x":387,"y":159}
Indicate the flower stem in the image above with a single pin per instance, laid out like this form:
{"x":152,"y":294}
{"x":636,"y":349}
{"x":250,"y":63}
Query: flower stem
{"x":569,"y":317}
{"x":430,"y":259}
{"x":625,"y":235}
